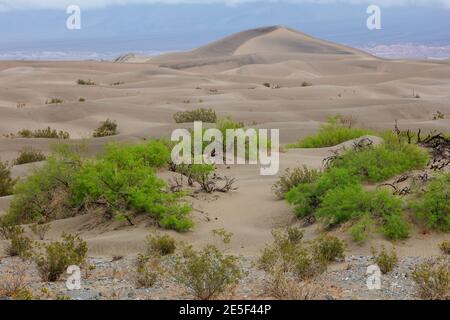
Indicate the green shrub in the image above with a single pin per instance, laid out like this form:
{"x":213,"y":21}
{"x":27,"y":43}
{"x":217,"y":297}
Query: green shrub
{"x":395,"y":227}
{"x":382,"y":162}
{"x":81,"y":99}
{"x":204,"y":115}
{"x":445,"y":247}
{"x":291,"y":179}
{"x":207,"y":273}
{"x":88,"y":82}
{"x":6,"y":181}
{"x":385,"y":261}
{"x":433,"y":205}
{"x":57,"y":256}
{"x":107,"y":128}
{"x":361,"y":230}
{"x":161,"y":245}
{"x":432,"y":279}
{"x":329,"y":248}
{"x":45,"y":194}
{"x":47,"y":133}
{"x":129,"y":186}
{"x":334,"y":132}
{"x":28,"y":155}
{"x":199,"y":173}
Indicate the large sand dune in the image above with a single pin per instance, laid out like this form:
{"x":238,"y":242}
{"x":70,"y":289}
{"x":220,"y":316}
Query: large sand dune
{"x":227,"y":76}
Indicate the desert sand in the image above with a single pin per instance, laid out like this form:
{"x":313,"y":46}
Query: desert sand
{"x":227,"y":76}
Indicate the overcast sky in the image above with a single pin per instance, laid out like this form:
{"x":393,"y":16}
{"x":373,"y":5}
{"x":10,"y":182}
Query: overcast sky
{"x":121,"y":26}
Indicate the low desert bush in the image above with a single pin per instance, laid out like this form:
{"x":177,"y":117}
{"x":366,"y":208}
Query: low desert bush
{"x":148,"y":270}
{"x":81,"y":99}
{"x":207,"y":273}
{"x":54,"y":101}
{"x":107,"y":128}
{"x":204,"y":115}
{"x":58,"y":255}
{"x":20,"y":245}
{"x":432,"y":279}
{"x":289,"y":254}
{"x":334,"y":132}
{"x":14,"y":281}
{"x":386,"y":261}
{"x":6,"y":181}
{"x":160,"y":245}
{"x":432,"y":205}
{"x":40,"y":229}
{"x":285,"y":287}
{"x":88,"y":82}
{"x":292,"y":178}
{"x":329,"y":248}
{"x":29,"y":155}
{"x":445,"y":247}
{"x":47,"y":133}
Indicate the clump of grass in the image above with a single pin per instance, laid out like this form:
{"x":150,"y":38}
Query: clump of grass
{"x":47,"y":133}
{"x":432,"y":279}
{"x":107,"y":128}
{"x":29,"y":155}
{"x":292,"y":178}
{"x":335,"y":131}
{"x":204,"y":115}
{"x":88,"y":82}
{"x":306,"y":84}
{"x":6,"y":181}
{"x":386,"y":261}
{"x":432,"y":205}
{"x":54,"y":101}
{"x":81,"y":99}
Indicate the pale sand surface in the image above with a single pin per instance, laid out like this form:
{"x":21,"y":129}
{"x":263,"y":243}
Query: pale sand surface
{"x":228,"y":77}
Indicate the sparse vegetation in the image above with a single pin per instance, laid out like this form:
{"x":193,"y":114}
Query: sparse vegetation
{"x":29,"y":155}
{"x":306,"y":84}
{"x":88,"y":82}
{"x":47,"y":133}
{"x":148,"y":270}
{"x":107,"y":128}
{"x":204,"y":115}
{"x":20,"y":245}
{"x":6,"y":181}
{"x":386,"y":261}
{"x":432,"y":279}
{"x":329,"y":248}
{"x":58,"y":255}
{"x":438,"y":115}
{"x":81,"y":99}
{"x":292,"y":178}
{"x":14,"y":282}
{"x":338,"y":129}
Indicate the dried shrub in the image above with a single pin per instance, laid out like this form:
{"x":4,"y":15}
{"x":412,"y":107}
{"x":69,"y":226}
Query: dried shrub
{"x":54,"y":101}
{"x":14,"y":281}
{"x":329,"y":248}
{"x":386,"y":261}
{"x":292,"y":178}
{"x":204,"y":115}
{"x":88,"y":82}
{"x":432,"y":279}
{"x":284,"y":287}
{"x":107,"y":128}
{"x":19,"y":245}
{"x":47,"y":133}
{"x":29,"y":155}
{"x":58,"y":255}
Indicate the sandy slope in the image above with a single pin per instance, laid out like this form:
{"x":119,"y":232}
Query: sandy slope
{"x":227,"y":76}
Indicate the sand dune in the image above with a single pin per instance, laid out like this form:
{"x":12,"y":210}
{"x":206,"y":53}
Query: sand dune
{"x":227,"y":76}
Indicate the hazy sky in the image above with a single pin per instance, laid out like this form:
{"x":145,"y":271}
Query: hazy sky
{"x":121,"y":26}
